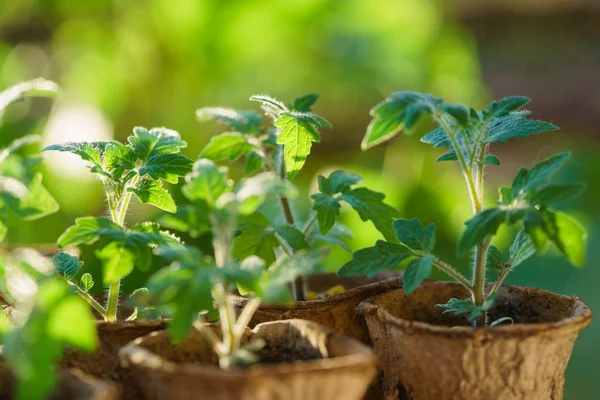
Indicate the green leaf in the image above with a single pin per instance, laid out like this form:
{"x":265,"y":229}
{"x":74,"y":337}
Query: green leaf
{"x":569,"y":237}
{"x":294,"y":237}
{"x":226,"y":146}
{"x":254,"y":163}
{"x":36,"y":203}
{"x":157,"y":141}
{"x":438,"y":138}
{"x":67,"y":265}
{"x":152,"y":192}
{"x":86,"y":282}
{"x":491,"y":159}
{"x":481,"y":225}
{"x":416,"y":271}
{"x":390,"y":115}
{"x":456,"y":111}
{"x":191,"y":219}
{"x":206,"y":182}
{"x":304,"y":103}
{"x":515,"y":126}
{"x":117,"y":261}
{"x":36,"y":87}
{"x":71,"y":322}
{"x":494,"y":258}
{"x":269,"y":102}
{"x":328,"y":209}
{"x":239,"y":121}
{"x":449,"y":156}
{"x":372,"y":260}
{"x":88,"y":151}
{"x":252,"y":191}
{"x":255,"y":240}
{"x":554,"y":194}
{"x":466,"y":306}
{"x":117,"y":159}
{"x":521,"y":249}
{"x":167,"y":166}
{"x":275,"y":281}
{"x":540,"y":174}
{"x":411,"y":234}
{"x":338,"y":182}
{"x":88,"y":230}
{"x":297,"y":133}
{"x":370,"y":207}
{"x":507,"y":105}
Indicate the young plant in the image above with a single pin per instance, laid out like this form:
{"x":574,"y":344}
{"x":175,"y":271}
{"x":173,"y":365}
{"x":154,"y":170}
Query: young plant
{"x":530,"y":201}
{"x":196,"y":283}
{"x":138,"y":168}
{"x":40,"y":324}
{"x":21,"y":188}
{"x":282,"y":149}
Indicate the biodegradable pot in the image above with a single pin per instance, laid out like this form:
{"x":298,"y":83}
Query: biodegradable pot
{"x":105,"y":362}
{"x":72,"y":385}
{"x":425,"y":354}
{"x":299,"y":360}
{"x":336,"y":312}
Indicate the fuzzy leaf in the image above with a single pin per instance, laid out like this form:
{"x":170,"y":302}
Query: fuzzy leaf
{"x":239,"y":121}
{"x":36,"y":203}
{"x":304,"y":103}
{"x":389,"y":116}
{"x":507,"y":105}
{"x":521,"y":249}
{"x":206,"y":182}
{"x":466,"y":306}
{"x":494,"y":257}
{"x":117,"y":261}
{"x":457,"y":111}
{"x":481,"y":225}
{"x":554,"y":194}
{"x":88,"y":230}
{"x":328,"y":209}
{"x":416,"y":271}
{"x":338,"y":182}
{"x":152,"y":192}
{"x":540,"y":174}
{"x":191,"y":219}
{"x":293,"y":237}
{"x":372,"y":260}
{"x":449,"y":156}
{"x":370,"y":207}
{"x":515,"y":126}
{"x":411,"y":234}
{"x":36,"y":87}
{"x":438,"y":138}
{"x":226,"y":146}
{"x":254,"y":163}
{"x":491,"y":159}
{"x":269,"y":102}
{"x":88,"y":151}
{"x":155,"y":142}
{"x":86,"y":282}
{"x":298,"y":131}
{"x":67,"y":265}
{"x":255,"y":240}
{"x":166,"y":166}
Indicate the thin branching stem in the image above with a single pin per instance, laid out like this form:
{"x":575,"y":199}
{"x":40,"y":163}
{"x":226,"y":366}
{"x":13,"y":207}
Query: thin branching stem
{"x":447,"y":268}
{"x":91,"y":301}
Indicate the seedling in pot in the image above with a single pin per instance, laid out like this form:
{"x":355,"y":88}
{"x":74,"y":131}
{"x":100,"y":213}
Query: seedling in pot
{"x":530,"y":202}
{"x":282,"y":149}
{"x":197,"y":286}
{"x":138,"y":169}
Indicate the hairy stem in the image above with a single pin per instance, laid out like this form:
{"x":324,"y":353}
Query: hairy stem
{"x":501,"y":276}
{"x":311,"y":221}
{"x":447,"y":268}
{"x":91,"y":301}
{"x":113,"y":301}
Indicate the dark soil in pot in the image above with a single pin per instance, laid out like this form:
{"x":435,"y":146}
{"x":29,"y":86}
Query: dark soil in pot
{"x":73,"y":385}
{"x":300,"y":360}
{"x":425,"y":354}
{"x":105,"y":362}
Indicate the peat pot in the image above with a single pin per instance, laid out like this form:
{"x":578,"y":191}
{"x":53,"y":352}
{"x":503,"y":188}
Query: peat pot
{"x":336,"y":312}
{"x":425,"y":354}
{"x":299,"y":360}
{"x":72,"y":385}
{"x":105,"y":362}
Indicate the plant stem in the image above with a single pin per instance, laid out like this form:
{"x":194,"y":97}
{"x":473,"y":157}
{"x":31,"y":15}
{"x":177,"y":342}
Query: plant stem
{"x":311,"y":221}
{"x":503,"y":274}
{"x":113,"y":301}
{"x":447,"y":268}
{"x":91,"y":301}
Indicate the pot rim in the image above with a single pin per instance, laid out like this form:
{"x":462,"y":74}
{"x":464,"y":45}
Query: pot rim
{"x":575,"y":323}
{"x":370,"y":289}
{"x":134,"y":353}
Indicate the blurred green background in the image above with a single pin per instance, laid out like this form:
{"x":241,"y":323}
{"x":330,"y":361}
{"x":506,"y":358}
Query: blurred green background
{"x":154,"y":62}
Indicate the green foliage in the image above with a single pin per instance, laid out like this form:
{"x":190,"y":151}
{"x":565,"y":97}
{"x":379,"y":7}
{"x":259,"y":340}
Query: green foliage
{"x":529,"y":201}
{"x":86,"y":282}
{"x":239,"y":121}
{"x":37,"y":87}
{"x":412,"y":235}
{"x":372,"y":260}
{"x":467,"y":308}
{"x":121,"y":249}
{"x":416,"y":271}
{"x":47,"y":312}
{"x":521,"y":249}
{"x":67,"y":265}
{"x":368,"y":204}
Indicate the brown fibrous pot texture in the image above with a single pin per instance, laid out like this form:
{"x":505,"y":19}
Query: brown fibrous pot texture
{"x":327,"y":366}
{"x":104,"y":362}
{"x":72,"y":385}
{"x":337,"y":312}
{"x":427,"y":354}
